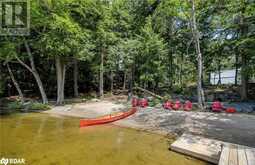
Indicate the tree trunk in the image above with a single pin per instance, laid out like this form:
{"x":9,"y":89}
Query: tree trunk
{"x":209,"y":77}
{"x":244,"y":75}
{"x":236,"y":65}
{"x":111,"y":75}
{"x":36,"y":75}
{"x":131,"y":82}
{"x":33,"y":70}
{"x":244,"y":79}
{"x":101,"y":76}
{"x":170,"y":52}
{"x":60,"y":69}
{"x":181,"y":71}
{"x":75,"y":78}
{"x":16,"y":84}
{"x":171,"y":77}
{"x":124,"y":81}
{"x":219,"y":72}
{"x":200,"y":92}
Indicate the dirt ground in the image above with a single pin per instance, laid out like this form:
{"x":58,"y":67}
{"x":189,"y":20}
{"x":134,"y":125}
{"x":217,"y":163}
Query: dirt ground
{"x":235,"y":128}
{"x":87,"y":110}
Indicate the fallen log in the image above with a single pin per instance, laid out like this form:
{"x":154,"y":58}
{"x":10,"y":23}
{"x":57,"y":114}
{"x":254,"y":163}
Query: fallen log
{"x":149,"y":92}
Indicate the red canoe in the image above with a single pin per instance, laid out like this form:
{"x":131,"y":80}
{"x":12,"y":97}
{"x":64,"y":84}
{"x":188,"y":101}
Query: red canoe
{"x":107,"y":118}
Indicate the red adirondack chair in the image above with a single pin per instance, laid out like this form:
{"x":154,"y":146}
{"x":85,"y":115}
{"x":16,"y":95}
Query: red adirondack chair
{"x":187,"y":106}
{"x":177,"y":105}
{"x":143,"y":103}
{"x":168,"y":105}
{"x":217,"y":106}
{"x":135,"y":102}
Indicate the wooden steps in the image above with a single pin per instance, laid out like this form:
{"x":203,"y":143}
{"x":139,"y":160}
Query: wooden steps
{"x":214,"y":151}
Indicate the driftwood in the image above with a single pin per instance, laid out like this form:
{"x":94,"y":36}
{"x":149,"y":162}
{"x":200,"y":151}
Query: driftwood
{"x":149,"y":92}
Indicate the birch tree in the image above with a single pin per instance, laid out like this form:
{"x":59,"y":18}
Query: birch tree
{"x":33,"y":70}
{"x":195,"y":32}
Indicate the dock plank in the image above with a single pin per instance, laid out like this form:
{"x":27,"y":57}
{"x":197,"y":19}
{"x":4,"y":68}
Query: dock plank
{"x":233,"y":157}
{"x":242,"y":159}
{"x":224,"y":156}
{"x":238,"y":155}
{"x":250,"y":156}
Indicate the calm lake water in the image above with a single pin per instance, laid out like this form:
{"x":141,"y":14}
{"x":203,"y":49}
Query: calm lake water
{"x":44,"y":140}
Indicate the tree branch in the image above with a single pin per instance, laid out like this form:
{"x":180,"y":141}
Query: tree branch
{"x":24,"y":64}
{"x":31,"y":59}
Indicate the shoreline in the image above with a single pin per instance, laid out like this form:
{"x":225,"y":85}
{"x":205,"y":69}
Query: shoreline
{"x":235,"y":128}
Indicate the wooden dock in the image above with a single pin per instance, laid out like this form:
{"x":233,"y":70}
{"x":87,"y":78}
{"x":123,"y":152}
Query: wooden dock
{"x":214,"y":151}
{"x":237,"y":155}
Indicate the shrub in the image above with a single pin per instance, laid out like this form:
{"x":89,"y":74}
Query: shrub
{"x":88,"y":96}
{"x":1,"y":88}
{"x":177,"y":89}
{"x":15,"y":105}
{"x":154,"y":102}
{"x":166,"y":97}
{"x":28,"y":105}
{"x":39,"y":106}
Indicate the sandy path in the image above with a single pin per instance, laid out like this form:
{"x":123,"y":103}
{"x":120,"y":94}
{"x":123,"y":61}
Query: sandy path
{"x":87,"y":110}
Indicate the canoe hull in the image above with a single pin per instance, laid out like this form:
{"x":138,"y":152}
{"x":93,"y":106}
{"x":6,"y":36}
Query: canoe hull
{"x":107,"y":119}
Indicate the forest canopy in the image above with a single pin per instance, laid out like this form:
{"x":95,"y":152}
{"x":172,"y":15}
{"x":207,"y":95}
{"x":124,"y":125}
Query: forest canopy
{"x":79,"y":46}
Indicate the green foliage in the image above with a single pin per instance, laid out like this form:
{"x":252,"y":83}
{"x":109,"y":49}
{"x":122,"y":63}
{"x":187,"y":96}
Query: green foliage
{"x":2,"y":84}
{"x":152,"y":55}
{"x":38,"y":106}
{"x":88,"y":96}
{"x":154,"y":102}
{"x":15,"y":105}
{"x":8,"y":49}
{"x":166,"y":97}
{"x":177,"y":89}
{"x":60,"y":33}
{"x":149,"y":40}
{"x":122,"y":55}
